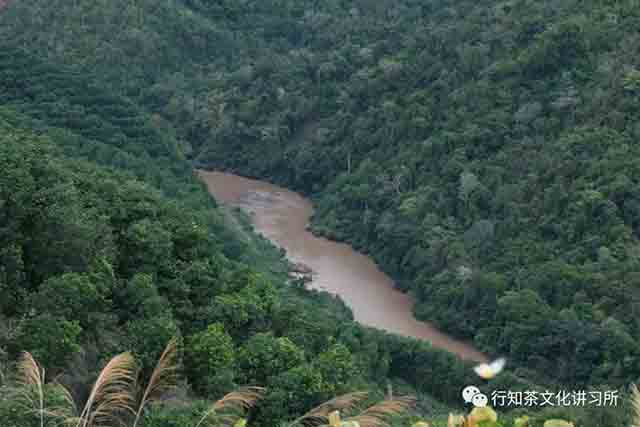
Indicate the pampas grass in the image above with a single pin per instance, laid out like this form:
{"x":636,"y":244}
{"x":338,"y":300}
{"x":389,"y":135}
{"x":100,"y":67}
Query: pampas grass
{"x":30,"y":389}
{"x":242,"y":399}
{"x":377,"y":415}
{"x":31,"y":378}
{"x":112,"y":398}
{"x":112,"y":394}
{"x":635,"y":404}
{"x":374,"y":416}
{"x":163,"y":378}
{"x":319,"y":415}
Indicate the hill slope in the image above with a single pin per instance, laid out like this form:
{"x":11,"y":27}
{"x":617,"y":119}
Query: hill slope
{"x":94,"y":262}
{"x":483,"y":152}
{"x":109,"y":244}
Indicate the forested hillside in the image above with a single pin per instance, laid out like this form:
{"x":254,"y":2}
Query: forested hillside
{"x":109,"y":244}
{"x":95,"y":262}
{"x":483,"y":152}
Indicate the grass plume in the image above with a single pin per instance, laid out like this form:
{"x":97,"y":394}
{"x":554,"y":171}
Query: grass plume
{"x":242,"y":399}
{"x":377,"y":415}
{"x":31,"y":391}
{"x":31,"y":378}
{"x":163,"y":378}
{"x":319,"y":415}
{"x":111,"y":394}
{"x":635,"y":404}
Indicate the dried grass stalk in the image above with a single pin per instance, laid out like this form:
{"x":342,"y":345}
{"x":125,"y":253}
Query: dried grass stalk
{"x":31,"y":391}
{"x":635,"y":404}
{"x":319,"y":415}
{"x":163,"y":378}
{"x":112,"y":393}
{"x":31,"y":378}
{"x":377,"y":415}
{"x":242,"y":399}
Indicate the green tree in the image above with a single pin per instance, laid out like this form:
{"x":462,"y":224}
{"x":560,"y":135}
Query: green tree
{"x":147,"y":337}
{"x":52,"y":340}
{"x":73,"y":296}
{"x":338,"y":368}
{"x":138,"y":298}
{"x":292,"y":392}
{"x":147,"y":246}
{"x":264,"y":356}
{"x":209,"y":360}
{"x":523,"y":313}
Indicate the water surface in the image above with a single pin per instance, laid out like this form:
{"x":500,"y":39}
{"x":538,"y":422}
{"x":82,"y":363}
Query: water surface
{"x":282,"y":216}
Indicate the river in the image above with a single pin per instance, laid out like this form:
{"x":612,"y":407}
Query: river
{"x":282,"y":216}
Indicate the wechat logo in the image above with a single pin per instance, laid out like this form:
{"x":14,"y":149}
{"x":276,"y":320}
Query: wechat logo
{"x":471,"y":394}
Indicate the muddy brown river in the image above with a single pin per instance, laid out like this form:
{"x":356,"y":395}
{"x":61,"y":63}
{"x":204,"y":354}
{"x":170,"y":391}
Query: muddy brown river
{"x":282,"y":216}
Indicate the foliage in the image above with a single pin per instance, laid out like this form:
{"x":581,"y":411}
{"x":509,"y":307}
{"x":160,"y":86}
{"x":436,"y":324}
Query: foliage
{"x":51,"y":339}
{"x":482,"y":152}
{"x":83,"y":303}
{"x":264,"y":356}
{"x":112,"y":398}
{"x":474,"y":149}
{"x":163,"y":378}
{"x":209,"y":359}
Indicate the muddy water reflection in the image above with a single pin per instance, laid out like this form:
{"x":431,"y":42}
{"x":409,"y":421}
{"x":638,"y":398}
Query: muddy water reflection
{"x":282,"y":216}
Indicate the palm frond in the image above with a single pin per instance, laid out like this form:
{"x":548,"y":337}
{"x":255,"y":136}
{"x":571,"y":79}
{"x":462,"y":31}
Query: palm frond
{"x":635,"y":404}
{"x":319,"y":415}
{"x":112,"y":393}
{"x":242,"y":399}
{"x":377,"y":415}
{"x":163,"y":378}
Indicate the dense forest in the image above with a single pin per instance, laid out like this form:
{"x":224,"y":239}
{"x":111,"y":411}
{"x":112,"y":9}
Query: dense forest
{"x":109,"y":244}
{"x":96,"y":262}
{"x":483,"y":152}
